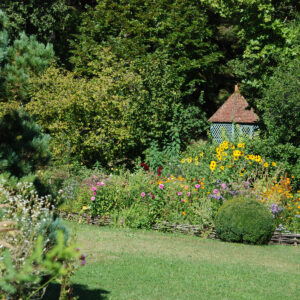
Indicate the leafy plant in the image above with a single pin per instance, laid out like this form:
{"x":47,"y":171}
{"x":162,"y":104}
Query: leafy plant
{"x":23,"y":146}
{"x":246,"y":221}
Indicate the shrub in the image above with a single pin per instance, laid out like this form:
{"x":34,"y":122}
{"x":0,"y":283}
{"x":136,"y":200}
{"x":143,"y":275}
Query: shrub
{"x":23,"y":147}
{"x":35,"y":248}
{"x":245,"y":221}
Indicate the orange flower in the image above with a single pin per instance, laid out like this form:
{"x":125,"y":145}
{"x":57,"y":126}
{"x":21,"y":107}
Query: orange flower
{"x":184,"y":213}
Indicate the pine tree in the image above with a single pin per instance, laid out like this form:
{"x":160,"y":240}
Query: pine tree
{"x":23,"y":147}
{"x":19,"y":60}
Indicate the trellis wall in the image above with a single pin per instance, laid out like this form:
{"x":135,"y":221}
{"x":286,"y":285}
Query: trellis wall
{"x":231,"y":131}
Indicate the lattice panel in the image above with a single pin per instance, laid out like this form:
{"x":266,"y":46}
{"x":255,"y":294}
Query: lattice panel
{"x":229,"y":131}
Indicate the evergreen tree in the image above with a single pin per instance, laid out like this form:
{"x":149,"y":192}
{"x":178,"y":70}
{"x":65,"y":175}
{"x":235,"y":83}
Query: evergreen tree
{"x":25,"y":56}
{"x":23,"y":147}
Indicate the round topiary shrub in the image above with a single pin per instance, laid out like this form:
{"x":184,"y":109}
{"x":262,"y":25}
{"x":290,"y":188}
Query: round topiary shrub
{"x":244,"y":221}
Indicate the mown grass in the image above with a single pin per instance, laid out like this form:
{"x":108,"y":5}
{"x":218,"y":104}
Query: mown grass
{"x":129,"y":264}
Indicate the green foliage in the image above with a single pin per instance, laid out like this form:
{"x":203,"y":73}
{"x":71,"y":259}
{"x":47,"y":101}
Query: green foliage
{"x":246,"y":221}
{"x":50,"y":21}
{"x":114,"y":116}
{"x":56,"y":264}
{"x":267,"y":32}
{"x":36,"y":250}
{"x":26,"y":56}
{"x":280,"y":104}
{"x":23,"y":147}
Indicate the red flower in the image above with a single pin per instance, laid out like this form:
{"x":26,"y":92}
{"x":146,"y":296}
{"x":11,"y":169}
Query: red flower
{"x":159,"y":170}
{"x":145,"y":166}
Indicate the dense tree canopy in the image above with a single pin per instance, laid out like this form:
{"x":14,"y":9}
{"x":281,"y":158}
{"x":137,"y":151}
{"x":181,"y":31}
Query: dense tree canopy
{"x":156,"y":69}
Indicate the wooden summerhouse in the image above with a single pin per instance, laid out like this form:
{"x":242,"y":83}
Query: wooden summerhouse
{"x":234,"y":118}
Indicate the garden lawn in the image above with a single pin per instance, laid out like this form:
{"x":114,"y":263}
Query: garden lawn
{"x":131,"y":264}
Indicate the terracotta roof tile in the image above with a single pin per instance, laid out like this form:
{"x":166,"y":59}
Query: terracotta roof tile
{"x":234,"y":109}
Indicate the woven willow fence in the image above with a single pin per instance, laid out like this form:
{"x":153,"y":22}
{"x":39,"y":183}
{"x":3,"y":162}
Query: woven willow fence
{"x":279,"y":237}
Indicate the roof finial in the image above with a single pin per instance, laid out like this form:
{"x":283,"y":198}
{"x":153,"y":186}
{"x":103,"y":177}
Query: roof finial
{"x":236,"y":89}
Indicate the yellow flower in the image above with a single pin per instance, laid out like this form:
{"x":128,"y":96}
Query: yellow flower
{"x":222,"y":168}
{"x":266,"y":165}
{"x":196,"y":158}
{"x":219,"y":157}
{"x":189,"y":160}
{"x":299,"y":206}
{"x":201,"y":154}
{"x":274,"y":164}
{"x":232,"y":147}
{"x":218,"y":150}
{"x":182,"y":161}
{"x":196,"y":162}
{"x":236,"y":153}
{"x":84,"y":207}
{"x":184,"y":213}
{"x":186,"y":187}
{"x":240,"y":145}
{"x":213,"y":165}
{"x":236,"y":157}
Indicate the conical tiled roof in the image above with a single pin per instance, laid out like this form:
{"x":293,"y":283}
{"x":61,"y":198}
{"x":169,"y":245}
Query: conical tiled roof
{"x":234,"y":110}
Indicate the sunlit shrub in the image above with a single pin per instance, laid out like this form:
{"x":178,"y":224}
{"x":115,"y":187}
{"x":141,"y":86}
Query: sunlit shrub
{"x":245,"y":221}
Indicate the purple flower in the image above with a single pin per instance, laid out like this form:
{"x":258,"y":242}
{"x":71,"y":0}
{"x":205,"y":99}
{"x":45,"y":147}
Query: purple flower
{"x":216,"y":191}
{"x":152,"y":196}
{"x":83,"y":262}
{"x":189,"y":194}
{"x":94,"y":193}
{"x":223,"y":185}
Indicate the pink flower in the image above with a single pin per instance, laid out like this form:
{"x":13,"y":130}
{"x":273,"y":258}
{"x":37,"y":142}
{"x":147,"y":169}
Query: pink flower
{"x":179,"y":193}
{"x":94,"y":193}
{"x":152,"y":196}
{"x":93,"y":198}
{"x":60,"y":191}
{"x":100,"y":183}
{"x":197,"y":186}
{"x":143,"y":194}
{"x":216,"y":191}
{"x":94,"y":188}
{"x":161,"y":186}
{"x":189,"y":194}
{"x":223,"y":185}
{"x":182,"y":200}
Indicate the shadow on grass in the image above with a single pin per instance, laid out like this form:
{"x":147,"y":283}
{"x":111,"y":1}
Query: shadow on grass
{"x":79,"y":290}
